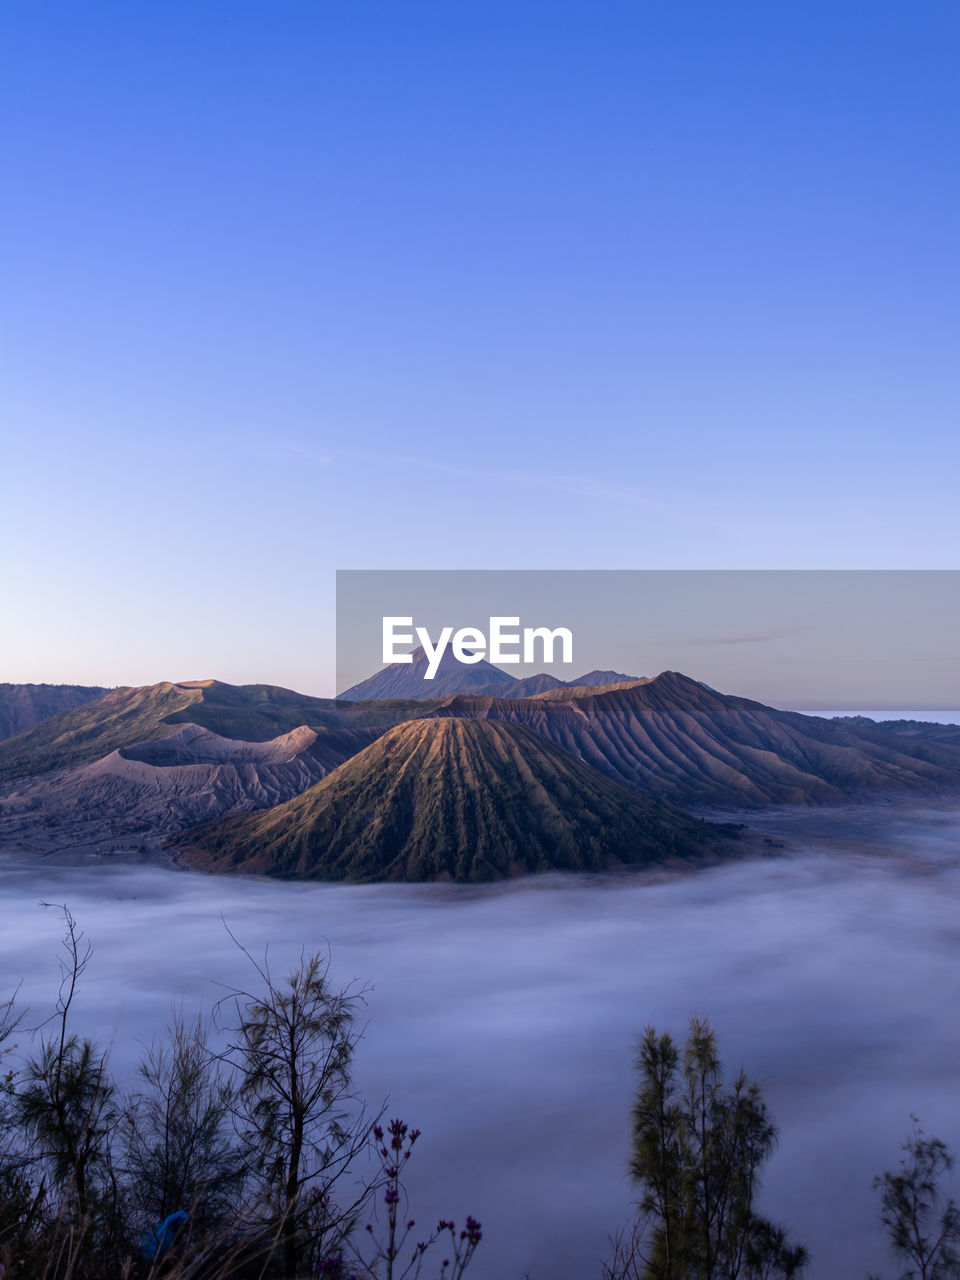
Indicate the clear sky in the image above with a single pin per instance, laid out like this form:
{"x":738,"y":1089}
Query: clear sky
{"x":290,"y":287}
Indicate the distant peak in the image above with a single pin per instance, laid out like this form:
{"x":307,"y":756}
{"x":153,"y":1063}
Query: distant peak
{"x":420,"y":654}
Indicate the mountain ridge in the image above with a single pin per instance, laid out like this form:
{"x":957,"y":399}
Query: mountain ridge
{"x":675,"y":738}
{"x":24,"y":705}
{"x":131,"y":714}
{"x":407,"y":680}
{"x":163,"y":785}
{"x":160,"y":758}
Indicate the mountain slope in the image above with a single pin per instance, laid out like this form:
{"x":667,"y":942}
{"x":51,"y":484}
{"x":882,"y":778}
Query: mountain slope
{"x":118,"y":719}
{"x":406,"y":680}
{"x":530,"y":685}
{"x":570,"y":692}
{"x":123,"y":717}
{"x":918,"y":731}
{"x":24,"y":705}
{"x":454,"y":799}
{"x":163,"y":785}
{"x":595,"y":679}
{"x":674,"y":738}
{"x":253,"y":712}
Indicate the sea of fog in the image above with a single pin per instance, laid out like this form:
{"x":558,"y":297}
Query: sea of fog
{"x":502,"y":1021}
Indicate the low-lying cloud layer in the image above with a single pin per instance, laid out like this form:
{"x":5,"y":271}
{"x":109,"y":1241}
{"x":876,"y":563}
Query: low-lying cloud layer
{"x":502,"y":1021}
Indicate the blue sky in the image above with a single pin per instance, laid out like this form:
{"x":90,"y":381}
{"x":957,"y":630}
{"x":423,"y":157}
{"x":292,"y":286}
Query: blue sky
{"x":296,"y":287}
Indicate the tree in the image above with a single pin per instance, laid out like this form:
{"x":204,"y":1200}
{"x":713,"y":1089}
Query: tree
{"x":922,"y":1222}
{"x":181,"y":1150}
{"x":9,"y":1021}
{"x":65,"y":1100}
{"x":262,"y":1148}
{"x":16,"y":1194}
{"x":292,"y":1047}
{"x":698,"y":1148}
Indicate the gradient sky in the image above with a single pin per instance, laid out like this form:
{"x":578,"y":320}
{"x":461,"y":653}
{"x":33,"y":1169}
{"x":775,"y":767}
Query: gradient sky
{"x":288,"y":288}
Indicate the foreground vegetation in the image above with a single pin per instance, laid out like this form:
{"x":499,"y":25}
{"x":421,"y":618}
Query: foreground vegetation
{"x":243,"y":1152}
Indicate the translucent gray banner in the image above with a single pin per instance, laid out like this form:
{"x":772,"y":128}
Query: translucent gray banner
{"x":805,"y":639}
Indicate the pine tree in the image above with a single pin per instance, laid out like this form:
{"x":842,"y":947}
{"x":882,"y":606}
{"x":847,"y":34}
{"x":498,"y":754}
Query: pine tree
{"x":698,"y":1148}
{"x":922,"y":1222}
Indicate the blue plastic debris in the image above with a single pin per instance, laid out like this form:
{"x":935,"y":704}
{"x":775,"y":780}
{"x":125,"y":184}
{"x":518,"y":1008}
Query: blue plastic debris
{"x":157,"y":1240}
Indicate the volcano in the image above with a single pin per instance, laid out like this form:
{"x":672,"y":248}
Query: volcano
{"x":455,"y":799}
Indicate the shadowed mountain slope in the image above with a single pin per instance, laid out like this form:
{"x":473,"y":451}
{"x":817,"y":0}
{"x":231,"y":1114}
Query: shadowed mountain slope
{"x":253,"y":712}
{"x":407,"y":680}
{"x":670,"y":737}
{"x":917,"y":731}
{"x":598,"y":679}
{"x":118,"y":719}
{"x":568,"y":692}
{"x":123,"y":717}
{"x":674,"y":738}
{"x":164,"y":785}
{"x":24,"y":705}
{"x":454,"y":799}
